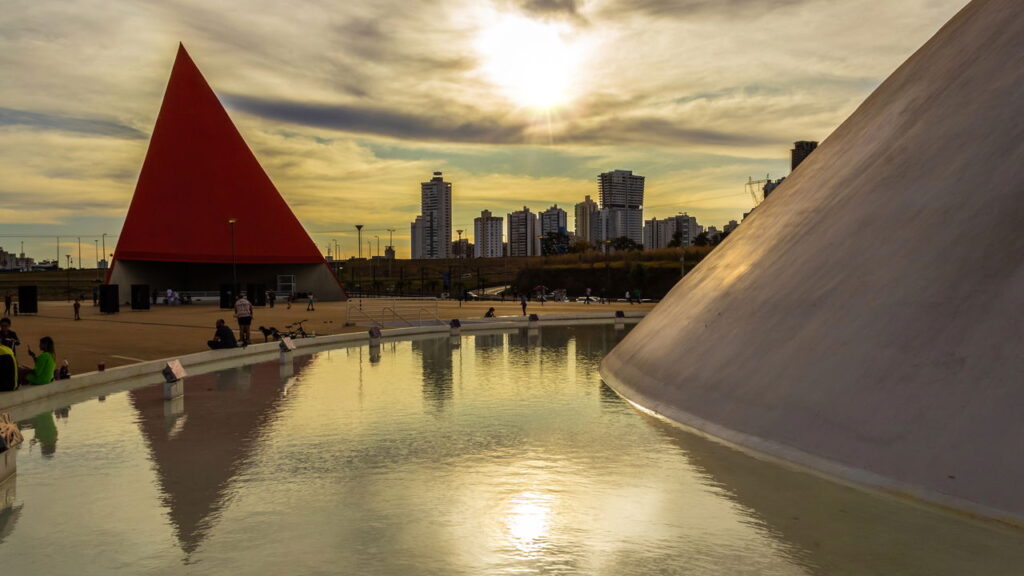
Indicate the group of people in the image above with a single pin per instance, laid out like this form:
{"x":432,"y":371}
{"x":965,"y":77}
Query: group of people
{"x":172,"y":297}
{"x":224,"y":337}
{"x":13,"y":374}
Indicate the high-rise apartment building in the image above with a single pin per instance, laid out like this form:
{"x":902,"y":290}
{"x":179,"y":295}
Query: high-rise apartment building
{"x":584,"y":211}
{"x":416,"y":235}
{"x":801,"y":150}
{"x":435,"y":223}
{"x":487,"y":235}
{"x":621,"y":189}
{"x":622,"y":197}
{"x":553,"y":231}
{"x":523,"y":233}
{"x":660,"y":233}
{"x":554,"y":220}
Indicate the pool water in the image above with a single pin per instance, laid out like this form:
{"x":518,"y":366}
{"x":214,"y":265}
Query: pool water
{"x":496,"y":453}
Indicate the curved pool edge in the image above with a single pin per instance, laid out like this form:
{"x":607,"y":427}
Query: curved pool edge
{"x":149,"y":372}
{"x":788,"y":456}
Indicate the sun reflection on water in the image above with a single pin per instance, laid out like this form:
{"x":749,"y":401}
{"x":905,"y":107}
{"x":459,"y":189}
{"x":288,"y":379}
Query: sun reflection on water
{"x":528,"y":521}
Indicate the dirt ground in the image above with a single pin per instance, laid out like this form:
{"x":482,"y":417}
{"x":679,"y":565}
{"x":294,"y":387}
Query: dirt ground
{"x":163,"y":331}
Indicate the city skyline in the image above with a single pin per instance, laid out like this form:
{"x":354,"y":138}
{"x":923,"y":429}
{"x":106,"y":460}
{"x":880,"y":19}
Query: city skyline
{"x":344,"y":111}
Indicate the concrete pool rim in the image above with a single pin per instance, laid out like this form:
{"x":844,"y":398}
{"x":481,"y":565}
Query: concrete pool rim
{"x":88,"y":384}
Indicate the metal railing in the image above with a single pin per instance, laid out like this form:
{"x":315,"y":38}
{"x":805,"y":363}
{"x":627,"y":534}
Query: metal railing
{"x":381,"y":310}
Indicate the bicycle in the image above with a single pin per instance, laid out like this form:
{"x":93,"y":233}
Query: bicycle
{"x":295,"y":330}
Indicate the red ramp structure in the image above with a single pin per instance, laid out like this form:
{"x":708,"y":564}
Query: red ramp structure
{"x":204,"y":213}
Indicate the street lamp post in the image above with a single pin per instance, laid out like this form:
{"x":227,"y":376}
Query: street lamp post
{"x":378,"y":244}
{"x":391,"y":246}
{"x":69,"y":275}
{"x":359,"y":239}
{"x":105,"y":247}
{"x":97,"y":246}
{"x":234,"y":267}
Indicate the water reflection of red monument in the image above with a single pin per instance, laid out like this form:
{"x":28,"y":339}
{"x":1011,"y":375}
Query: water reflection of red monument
{"x":199,"y":445}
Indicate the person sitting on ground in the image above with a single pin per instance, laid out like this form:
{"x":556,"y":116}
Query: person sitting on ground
{"x":8,"y":370}
{"x":223,"y":337}
{"x":45,"y":364}
{"x":490,"y":313}
{"x":8,"y":337}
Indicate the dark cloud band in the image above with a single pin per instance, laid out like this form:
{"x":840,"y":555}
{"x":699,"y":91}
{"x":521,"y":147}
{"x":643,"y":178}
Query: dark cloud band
{"x":41,"y":121}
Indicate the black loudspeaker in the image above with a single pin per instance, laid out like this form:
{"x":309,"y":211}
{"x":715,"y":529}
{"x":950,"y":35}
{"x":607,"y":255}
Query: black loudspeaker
{"x":140,"y":296}
{"x":257,"y":294}
{"x":28,"y":300}
{"x":227,"y":296}
{"x":109,"y":296}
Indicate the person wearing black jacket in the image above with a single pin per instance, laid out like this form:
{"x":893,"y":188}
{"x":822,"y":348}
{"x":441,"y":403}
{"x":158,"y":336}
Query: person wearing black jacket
{"x":223,"y":337}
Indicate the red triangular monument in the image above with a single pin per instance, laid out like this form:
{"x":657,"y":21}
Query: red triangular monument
{"x":199,"y":176}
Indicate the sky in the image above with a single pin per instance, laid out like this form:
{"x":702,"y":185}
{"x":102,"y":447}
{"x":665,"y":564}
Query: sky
{"x":349,"y":105}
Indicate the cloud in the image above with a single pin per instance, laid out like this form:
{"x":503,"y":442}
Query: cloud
{"x":93,"y":127}
{"x":551,"y":8}
{"x":348,"y":103}
{"x":651,"y":130}
{"x":381,"y":122}
{"x":747,"y":9}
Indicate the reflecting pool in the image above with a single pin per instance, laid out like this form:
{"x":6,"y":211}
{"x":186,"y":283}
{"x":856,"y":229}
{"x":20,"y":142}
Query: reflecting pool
{"x":493,"y":453}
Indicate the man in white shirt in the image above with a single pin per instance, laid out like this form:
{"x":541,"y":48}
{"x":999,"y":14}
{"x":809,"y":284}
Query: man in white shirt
{"x":243,"y":312}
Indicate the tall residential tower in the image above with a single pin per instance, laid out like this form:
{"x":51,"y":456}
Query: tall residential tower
{"x":487,"y":235}
{"x":621,"y":214}
{"x":432,"y":230}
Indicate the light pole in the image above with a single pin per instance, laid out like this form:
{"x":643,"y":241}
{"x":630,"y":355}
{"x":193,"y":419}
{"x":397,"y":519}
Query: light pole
{"x":234,"y":267}
{"x":378,"y":244}
{"x":79,"y":251}
{"x":391,"y":246}
{"x":462,"y":253}
{"x":97,"y":243}
{"x":105,"y":247}
{"x":69,"y":275}
{"x":359,"y":239}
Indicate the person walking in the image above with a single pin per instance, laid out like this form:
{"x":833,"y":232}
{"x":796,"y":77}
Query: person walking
{"x":78,"y":309}
{"x":243,"y":312}
{"x":522,"y":302}
{"x":7,"y":304}
{"x":586,"y":296}
{"x":309,"y":303}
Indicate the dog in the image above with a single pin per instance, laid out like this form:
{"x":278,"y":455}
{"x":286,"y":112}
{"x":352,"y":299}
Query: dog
{"x":270,"y":332}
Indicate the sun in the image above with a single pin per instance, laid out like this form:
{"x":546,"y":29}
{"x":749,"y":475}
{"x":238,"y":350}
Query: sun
{"x":532,"y":62}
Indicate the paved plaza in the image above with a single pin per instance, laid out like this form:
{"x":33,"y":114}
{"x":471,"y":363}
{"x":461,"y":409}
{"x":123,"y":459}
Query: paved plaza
{"x":163,"y":331}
